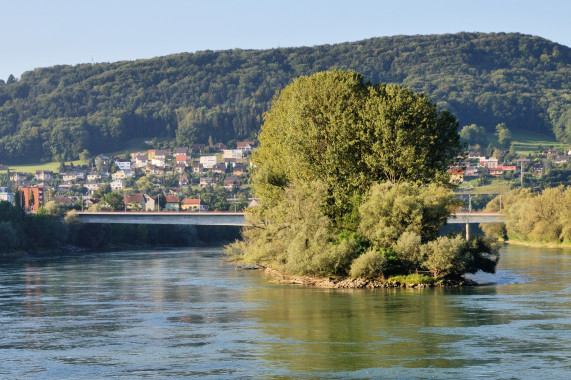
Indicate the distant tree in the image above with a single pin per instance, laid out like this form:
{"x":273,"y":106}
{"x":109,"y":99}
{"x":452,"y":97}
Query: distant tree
{"x":503,"y":134}
{"x":187,"y":131}
{"x":115,"y":200}
{"x":473,"y":134}
{"x":11,"y":79}
{"x":84,"y":155}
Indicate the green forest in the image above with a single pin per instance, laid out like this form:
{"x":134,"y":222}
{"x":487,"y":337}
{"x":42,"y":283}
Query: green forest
{"x":56,"y":113}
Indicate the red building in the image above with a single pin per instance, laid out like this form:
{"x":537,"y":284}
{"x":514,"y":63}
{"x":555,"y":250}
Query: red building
{"x":33,"y":198}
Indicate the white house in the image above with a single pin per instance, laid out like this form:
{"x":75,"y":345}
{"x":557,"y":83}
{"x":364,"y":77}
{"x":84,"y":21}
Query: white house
{"x":123,"y":165}
{"x":208,"y":161}
{"x":232,"y":153}
{"x":6,"y":195}
{"x":117,"y":184}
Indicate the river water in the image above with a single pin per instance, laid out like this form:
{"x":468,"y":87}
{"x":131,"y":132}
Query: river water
{"x":185,"y":314}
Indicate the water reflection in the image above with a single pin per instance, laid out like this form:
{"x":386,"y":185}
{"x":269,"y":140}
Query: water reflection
{"x":182,"y":314}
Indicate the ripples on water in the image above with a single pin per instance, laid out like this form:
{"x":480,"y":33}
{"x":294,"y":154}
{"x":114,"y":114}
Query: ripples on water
{"x":184,"y":314}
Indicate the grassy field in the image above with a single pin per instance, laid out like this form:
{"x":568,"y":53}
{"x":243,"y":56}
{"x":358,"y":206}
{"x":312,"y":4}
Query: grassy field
{"x":495,"y":187}
{"x":31,"y":168}
{"x":526,"y":143}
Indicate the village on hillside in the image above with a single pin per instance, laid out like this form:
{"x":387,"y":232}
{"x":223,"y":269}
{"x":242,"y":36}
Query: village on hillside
{"x":196,"y":178}
{"x":206,"y":178}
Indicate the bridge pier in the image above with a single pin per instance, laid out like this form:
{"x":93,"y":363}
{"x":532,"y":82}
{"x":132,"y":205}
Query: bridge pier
{"x":467,"y":231}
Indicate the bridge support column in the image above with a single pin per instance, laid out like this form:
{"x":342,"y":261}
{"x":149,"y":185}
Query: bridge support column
{"x":467,"y":231}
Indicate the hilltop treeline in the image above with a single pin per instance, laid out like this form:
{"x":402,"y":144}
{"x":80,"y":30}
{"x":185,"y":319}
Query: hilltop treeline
{"x":56,"y":113}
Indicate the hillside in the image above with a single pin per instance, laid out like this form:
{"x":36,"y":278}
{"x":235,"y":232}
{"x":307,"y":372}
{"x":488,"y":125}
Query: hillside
{"x":57,"y":112}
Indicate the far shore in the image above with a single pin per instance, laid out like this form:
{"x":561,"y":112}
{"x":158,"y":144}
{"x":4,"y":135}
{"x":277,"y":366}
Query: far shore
{"x":537,"y":245}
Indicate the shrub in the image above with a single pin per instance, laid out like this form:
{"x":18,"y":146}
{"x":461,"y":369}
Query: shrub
{"x":370,"y":264}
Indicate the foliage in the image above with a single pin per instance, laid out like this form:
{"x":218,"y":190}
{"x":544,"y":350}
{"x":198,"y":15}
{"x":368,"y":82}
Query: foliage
{"x":504,"y":135}
{"x":484,"y":79}
{"x":334,"y":128}
{"x":474,"y":135}
{"x":393,"y":209}
{"x":114,"y":200}
{"x":537,"y":217}
{"x":343,"y":173}
{"x":412,"y":279}
{"x":370,"y":264}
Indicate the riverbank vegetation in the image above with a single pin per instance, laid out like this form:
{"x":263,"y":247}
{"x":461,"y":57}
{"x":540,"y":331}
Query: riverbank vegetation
{"x":48,"y":231}
{"x":352,"y":183}
{"x":540,"y":218}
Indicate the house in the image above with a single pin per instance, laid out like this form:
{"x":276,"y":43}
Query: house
{"x":141,"y":160}
{"x":220,"y":146}
{"x":239,"y":169}
{"x":490,"y":163}
{"x":44,"y":175}
{"x":232,"y":153}
{"x":65,"y":185}
{"x":180,"y":168}
{"x":206,"y":181}
{"x":230,"y":162}
{"x":191,"y":204}
{"x":6,"y":195}
{"x":122,"y":174}
{"x":561,"y":159}
{"x":63,"y":200}
{"x":93,"y":185}
{"x":153,"y":169}
{"x":158,"y":161}
{"x":219,"y":168}
{"x":208,"y":161}
{"x":181,"y":152}
{"x":160,"y":154}
{"x":123,"y":165}
{"x":116,"y":184}
{"x":93,"y":177}
{"x":139,"y":201}
{"x":231,"y":182}
{"x":183,"y":180}
{"x":151,"y":153}
{"x":18,"y":177}
{"x":172,"y":203}
{"x":245,"y":145}
{"x":181,"y":159}
{"x":197,"y":167}
{"x":69,"y":177}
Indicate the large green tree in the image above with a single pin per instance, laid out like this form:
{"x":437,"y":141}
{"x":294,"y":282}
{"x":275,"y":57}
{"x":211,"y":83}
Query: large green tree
{"x":335,"y":128}
{"x":350,"y":176}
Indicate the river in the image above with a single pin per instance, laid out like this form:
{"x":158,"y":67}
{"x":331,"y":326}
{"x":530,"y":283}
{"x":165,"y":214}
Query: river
{"x":185,"y":314}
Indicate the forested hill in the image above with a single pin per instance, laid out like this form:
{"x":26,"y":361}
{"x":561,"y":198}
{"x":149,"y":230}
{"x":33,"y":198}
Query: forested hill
{"x":57,"y":112}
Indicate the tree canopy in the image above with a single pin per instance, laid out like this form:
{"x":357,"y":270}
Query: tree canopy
{"x":335,"y":128}
{"x":350,"y":177}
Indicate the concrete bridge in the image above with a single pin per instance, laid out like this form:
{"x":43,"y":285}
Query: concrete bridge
{"x":164,"y":217}
{"x":231,"y":218}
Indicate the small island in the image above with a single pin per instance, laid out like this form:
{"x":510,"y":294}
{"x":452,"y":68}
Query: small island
{"x":353,"y":188}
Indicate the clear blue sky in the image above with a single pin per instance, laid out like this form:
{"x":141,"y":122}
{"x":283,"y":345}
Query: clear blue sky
{"x":40,"y":33}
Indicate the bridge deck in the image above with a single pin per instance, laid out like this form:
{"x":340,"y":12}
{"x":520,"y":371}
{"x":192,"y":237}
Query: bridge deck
{"x":230,"y":218}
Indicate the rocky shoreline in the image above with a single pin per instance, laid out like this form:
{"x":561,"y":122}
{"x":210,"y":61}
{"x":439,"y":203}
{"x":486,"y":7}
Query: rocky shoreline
{"x":349,"y":283}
